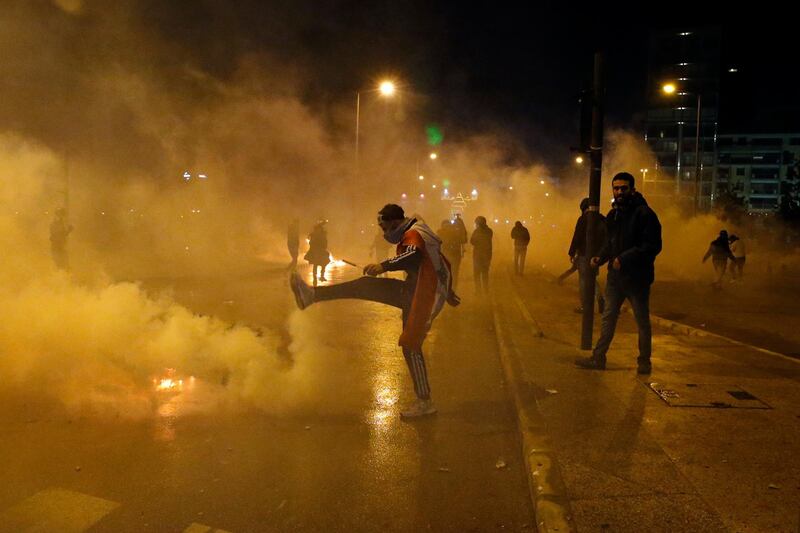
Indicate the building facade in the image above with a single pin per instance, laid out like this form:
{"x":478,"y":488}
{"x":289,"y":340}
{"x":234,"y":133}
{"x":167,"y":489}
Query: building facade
{"x":755,"y":167}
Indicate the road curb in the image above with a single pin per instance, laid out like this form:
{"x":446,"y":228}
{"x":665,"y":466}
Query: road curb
{"x":697,"y":332}
{"x":547,"y":489}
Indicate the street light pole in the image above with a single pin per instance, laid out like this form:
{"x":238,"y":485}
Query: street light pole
{"x":387,"y":89}
{"x":358,"y":122}
{"x":698,"y":182}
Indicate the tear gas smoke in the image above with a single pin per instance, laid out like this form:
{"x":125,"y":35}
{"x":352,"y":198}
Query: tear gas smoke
{"x":109,"y":115}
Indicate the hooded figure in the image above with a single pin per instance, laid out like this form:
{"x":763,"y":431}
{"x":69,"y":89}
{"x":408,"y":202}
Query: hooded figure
{"x":481,"y":242}
{"x":521,"y":237}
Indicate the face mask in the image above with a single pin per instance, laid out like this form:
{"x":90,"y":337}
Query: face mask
{"x":395,"y":235}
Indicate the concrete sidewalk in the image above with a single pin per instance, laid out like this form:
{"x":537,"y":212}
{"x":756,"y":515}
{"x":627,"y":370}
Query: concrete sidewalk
{"x":605,"y":452}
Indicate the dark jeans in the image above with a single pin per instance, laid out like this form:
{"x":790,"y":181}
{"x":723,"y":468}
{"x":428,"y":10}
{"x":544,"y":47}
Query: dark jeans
{"x":737,"y":267}
{"x":619,"y":288}
{"x":388,"y":291}
{"x":519,"y":258}
{"x":480,"y":271}
{"x":720,"y":266}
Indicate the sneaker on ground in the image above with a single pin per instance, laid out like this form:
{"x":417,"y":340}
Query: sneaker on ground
{"x":591,"y":363}
{"x":420,"y":408}
{"x":303,"y":294}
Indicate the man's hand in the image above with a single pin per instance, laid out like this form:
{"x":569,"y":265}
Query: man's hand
{"x":617,"y":265}
{"x":374,"y":269}
{"x":595,"y":262}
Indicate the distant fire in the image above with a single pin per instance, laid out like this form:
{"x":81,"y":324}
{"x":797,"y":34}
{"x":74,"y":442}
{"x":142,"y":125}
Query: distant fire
{"x":168,"y":383}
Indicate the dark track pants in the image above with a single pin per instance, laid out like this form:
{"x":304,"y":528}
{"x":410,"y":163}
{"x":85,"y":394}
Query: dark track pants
{"x":388,"y":291}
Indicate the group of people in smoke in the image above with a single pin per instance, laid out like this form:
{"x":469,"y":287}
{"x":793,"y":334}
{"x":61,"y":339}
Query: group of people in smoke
{"x":629,"y":242}
{"x":722,"y":249}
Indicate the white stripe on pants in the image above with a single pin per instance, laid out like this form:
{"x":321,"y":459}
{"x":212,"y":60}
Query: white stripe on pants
{"x":419,"y":374}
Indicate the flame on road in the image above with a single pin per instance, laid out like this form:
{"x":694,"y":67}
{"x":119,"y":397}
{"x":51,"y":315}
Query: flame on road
{"x":168,"y":383}
{"x":336,"y":262}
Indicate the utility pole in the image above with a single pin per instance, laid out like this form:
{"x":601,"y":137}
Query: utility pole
{"x":593,"y":220}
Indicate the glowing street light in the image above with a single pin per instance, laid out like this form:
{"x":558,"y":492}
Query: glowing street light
{"x":387,"y":88}
{"x":579,"y":160}
{"x":433,"y":155}
{"x":541,"y":182}
{"x":668,"y":88}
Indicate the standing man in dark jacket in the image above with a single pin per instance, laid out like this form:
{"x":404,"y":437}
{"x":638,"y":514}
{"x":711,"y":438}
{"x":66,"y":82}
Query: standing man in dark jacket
{"x":522,"y":238}
{"x":631,"y":247}
{"x":481,"y":242}
{"x":580,"y":258}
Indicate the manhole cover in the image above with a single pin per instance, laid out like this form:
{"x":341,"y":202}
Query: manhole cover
{"x":720,"y":396}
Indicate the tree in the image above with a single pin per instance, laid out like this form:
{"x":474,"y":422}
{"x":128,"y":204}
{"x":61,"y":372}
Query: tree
{"x":789,"y":209}
{"x":730,"y":205}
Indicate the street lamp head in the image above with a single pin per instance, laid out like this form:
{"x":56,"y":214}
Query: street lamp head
{"x":434,"y":155}
{"x":387,"y":88}
{"x":668,"y":88}
{"x":579,"y":160}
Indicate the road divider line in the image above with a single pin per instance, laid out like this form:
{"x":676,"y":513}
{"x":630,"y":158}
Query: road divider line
{"x":547,"y":488}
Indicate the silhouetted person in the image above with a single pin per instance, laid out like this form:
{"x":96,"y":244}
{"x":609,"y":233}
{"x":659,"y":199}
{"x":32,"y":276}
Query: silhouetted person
{"x":632,"y":243}
{"x":452,"y":246}
{"x":420,"y":296}
{"x":581,"y":259}
{"x":59,"y":234}
{"x":522,"y":238}
{"x":293,"y":241}
{"x":719,"y":251}
{"x":317,"y":253}
{"x":458,"y":222}
{"x":739,"y":256}
{"x":481,"y":242}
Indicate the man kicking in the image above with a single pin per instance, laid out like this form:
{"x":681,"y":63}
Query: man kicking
{"x":421,"y":296}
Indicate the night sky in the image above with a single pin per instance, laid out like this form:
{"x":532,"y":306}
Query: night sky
{"x":481,"y":65}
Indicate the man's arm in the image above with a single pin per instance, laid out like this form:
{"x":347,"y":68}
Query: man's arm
{"x":649,"y":240}
{"x":408,"y":259}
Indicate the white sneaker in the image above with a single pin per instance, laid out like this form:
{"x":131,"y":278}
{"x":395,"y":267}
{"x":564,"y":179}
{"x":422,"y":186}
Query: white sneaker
{"x":303,"y":294}
{"x":420,"y":408}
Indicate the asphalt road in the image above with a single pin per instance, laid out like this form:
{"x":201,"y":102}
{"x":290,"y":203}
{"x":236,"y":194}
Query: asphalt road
{"x":342,"y":461}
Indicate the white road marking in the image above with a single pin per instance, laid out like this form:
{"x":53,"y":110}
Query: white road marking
{"x":202,"y":528}
{"x":56,"y":510}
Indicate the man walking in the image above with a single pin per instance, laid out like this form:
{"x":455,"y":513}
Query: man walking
{"x":420,"y":297}
{"x":452,"y":247}
{"x":522,"y":238}
{"x":633,"y":241}
{"x":481,"y":242}
{"x":719,"y":251}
